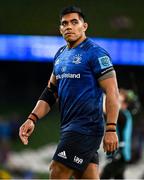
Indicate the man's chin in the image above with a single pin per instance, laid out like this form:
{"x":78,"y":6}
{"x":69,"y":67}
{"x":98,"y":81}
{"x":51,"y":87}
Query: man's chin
{"x":70,"y":39}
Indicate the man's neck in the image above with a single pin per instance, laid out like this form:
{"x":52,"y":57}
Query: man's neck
{"x":76,"y":43}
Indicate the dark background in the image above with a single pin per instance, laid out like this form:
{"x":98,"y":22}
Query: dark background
{"x":24,"y":81}
{"x":21,"y":83}
{"x":121,"y":18}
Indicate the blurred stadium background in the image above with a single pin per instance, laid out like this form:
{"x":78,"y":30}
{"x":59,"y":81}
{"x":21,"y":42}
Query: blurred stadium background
{"x":23,"y":76}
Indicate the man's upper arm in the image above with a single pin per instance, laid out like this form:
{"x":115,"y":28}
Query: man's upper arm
{"x":101,"y":64}
{"x":109,"y":84}
{"x":52,"y":80}
{"x":110,"y":88}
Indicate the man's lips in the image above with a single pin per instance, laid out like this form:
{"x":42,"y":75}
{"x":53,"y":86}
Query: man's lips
{"x":69,"y":33}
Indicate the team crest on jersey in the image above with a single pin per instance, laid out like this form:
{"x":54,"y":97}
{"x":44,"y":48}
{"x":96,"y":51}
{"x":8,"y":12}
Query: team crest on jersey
{"x":104,"y":62}
{"x":77,"y":59}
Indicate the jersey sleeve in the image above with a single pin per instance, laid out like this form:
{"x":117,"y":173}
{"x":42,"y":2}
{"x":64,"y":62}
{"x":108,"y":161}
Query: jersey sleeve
{"x":101,"y":64}
{"x":56,"y":55}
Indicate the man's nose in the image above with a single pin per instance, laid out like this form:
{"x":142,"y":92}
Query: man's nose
{"x":69,"y":26}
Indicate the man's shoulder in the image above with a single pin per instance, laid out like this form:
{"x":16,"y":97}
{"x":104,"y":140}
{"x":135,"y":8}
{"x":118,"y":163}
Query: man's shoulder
{"x":98,"y":47}
{"x":60,"y":50}
{"x":88,"y":45}
{"x":92,"y":47}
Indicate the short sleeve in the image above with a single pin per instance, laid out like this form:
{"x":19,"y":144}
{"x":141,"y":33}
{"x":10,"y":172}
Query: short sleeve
{"x":100,"y":62}
{"x":56,"y":55}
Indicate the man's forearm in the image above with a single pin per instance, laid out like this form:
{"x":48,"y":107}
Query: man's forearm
{"x":41,"y":109}
{"x":45,"y":102}
{"x":112,"y":107}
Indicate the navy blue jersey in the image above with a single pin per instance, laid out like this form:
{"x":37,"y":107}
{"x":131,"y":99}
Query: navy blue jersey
{"x":77,"y":71}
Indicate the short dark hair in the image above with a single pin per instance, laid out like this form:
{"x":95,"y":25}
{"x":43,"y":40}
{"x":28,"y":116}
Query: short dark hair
{"x":72,"y":9}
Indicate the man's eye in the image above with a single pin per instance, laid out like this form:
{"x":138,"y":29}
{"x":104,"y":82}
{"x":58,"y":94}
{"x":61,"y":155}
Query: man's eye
{"x":64,"y":23}
{"x":74,"y":22}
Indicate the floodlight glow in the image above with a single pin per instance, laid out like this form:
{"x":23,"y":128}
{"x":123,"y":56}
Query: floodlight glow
{"x":43,"y":48}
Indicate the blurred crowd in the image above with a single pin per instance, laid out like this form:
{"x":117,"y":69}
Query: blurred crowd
{"x":9,"y":127}
{"x":8,"y":132}
{"x":128,"y":129}
{"x":131,"y":108}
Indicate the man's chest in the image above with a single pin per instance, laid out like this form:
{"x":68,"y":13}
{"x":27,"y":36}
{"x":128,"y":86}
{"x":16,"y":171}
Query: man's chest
{"x":71,"y":63}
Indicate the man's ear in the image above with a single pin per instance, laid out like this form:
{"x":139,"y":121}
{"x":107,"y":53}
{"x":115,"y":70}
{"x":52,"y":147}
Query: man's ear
{"x":85,"y":25}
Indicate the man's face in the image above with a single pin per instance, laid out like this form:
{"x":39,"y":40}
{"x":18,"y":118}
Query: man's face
{"x":72,"y":27}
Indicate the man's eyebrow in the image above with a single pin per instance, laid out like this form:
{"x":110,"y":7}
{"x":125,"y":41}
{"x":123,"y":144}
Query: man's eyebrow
{"x":64,"y":21}
{"x":69,"y":20}
{"x":74,"y":20}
